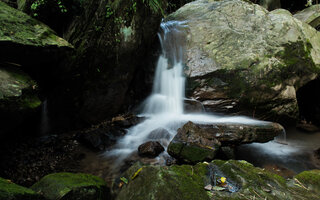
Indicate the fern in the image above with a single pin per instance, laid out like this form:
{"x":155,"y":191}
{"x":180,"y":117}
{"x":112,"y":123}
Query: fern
{"x":155,"y":5}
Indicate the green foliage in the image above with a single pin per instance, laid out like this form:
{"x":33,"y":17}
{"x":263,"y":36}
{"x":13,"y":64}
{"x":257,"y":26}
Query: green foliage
{"x":109,"y":11}
{"x":155,"y":5}
{"x":39,"y":4}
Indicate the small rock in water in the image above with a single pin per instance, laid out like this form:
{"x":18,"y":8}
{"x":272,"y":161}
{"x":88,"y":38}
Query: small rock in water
{"x":150,"y":149}
{"x":208,"y":187}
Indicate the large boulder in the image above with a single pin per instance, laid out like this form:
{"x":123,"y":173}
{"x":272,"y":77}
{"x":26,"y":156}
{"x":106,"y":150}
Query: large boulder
{"x":203,"y":181}
{"x":250,"y":59}
{"x":11,"y":191}
{"x":310,"y":15}
{"x":72,"y":186}
{"x":194,"y":143}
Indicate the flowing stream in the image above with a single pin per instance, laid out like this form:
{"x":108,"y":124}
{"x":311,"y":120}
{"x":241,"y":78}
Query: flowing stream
{"x":164,"y":107}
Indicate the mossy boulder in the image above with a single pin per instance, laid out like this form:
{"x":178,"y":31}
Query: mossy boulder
{"x":251,"y":59}
{"x":11,"y":191}
{"x":310,"y":15}
{"x":19,"y":101}
{"x":310,"y":179}
{"x":203,"y":181}
{"x":163,"y":183}
{"x":72,"y":186}
{"x":198,"y":142}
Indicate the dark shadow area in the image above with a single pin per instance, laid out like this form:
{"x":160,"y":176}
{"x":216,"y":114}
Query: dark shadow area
{"x":308,"y":98}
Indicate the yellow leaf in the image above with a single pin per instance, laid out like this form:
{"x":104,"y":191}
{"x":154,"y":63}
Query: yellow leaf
{"x":136,"y":173}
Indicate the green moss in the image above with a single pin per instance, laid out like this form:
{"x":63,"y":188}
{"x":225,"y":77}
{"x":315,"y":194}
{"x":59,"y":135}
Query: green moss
{"x":311,"y":178}
{"x":69,"y":186}
{"x":11,"y":191}
{"x":191,"y":153}
{"x":20,"y":28}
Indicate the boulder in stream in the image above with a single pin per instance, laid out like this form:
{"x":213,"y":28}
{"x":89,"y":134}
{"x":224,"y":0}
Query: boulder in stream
{"x":150,"y":149}
{"x":189,"y":182}
{"x":196,"y":142}
{"x":240,"y":55}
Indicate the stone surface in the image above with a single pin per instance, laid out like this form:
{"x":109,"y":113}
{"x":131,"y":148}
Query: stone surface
{"x":11,"y":191}
{"x":243,"y":181}
{"x":194,"y":143}
{"x":150,"y":149}
{"x":19,"y":101}
{"x":193,"y":106}
{"x":310,"y":15}
{"x":67,"y":186}
{"x":251,"y":59}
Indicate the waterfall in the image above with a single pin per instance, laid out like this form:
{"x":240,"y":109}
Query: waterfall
{"x":164,"y":107}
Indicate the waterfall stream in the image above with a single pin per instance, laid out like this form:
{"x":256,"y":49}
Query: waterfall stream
{"x":164,"y":107}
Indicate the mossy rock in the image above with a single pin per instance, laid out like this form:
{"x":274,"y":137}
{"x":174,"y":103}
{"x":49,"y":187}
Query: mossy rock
{"x":310,"y":178}
{"x":19,"y":100}
{"x":69,"y":186}
{"x":163,"y":183}
{"x":243,"y":181}
{"x":11,"y":191}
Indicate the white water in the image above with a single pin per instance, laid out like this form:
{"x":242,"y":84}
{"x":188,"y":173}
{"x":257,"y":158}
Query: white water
{"x":164,"y":107}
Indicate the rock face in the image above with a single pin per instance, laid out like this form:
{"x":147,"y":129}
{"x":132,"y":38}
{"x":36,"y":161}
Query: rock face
{"x":194,"y":143}
{"x":11,"y":191}
{"x":310,"y":15}
{"x":112,"y":40}
{"x":28,"y":48}
{"x":189,"y":182}
{"x":150,"y":149}
{"x":250,"y":59}
{"x":19,"y":100}
{"x":72,"y":186}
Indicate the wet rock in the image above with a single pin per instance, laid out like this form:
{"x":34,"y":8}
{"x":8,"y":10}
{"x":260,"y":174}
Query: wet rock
{"x":241,"y":57}
{"x":194,"y":143}
{"x":228,"y":152}
{"x":150,"y":149}
{"x":190,"y":181}
{"x":72,"y":186}
{"x":11,"y":191}
{"x":193,"y":106}
{"x":310,"y":15}
{"x":159,"y":134}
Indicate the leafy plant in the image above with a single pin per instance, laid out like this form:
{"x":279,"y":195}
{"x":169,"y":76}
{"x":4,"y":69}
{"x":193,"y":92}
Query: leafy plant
{"x":109,"y":11}
{"x":155,"y":5}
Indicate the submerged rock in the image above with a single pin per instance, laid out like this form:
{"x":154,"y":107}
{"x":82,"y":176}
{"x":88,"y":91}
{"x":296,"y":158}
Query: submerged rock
{"x":250,"y":59}
{"x":150,"y":149}
{"x":194,"y":143}
{"x":72,"y":186}
{"x":11,"y":191}
{"x":216,"y":180}
{"x":310,"y":15}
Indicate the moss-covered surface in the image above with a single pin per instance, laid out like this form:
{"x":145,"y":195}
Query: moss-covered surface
{"x":191,"y":153}
{"x":165,"y":183}
{"x":311,"y":179}
{"x":18,"y":27}
{"x":243,"y":181}
{"x":11,"y":191}
{"x":72,"y":186}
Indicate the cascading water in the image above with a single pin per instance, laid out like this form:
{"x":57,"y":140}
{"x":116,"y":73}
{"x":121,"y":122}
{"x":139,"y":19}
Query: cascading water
{"x":164,"y":107}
